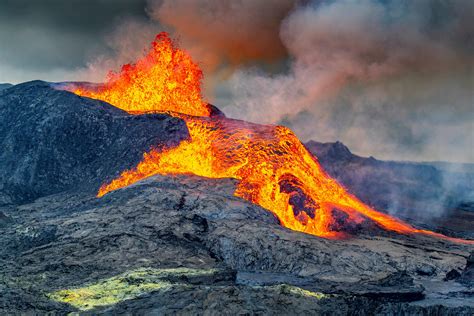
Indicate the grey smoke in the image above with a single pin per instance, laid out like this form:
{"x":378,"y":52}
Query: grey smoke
{"x":392,"y":79}
{"x":224,"y":31}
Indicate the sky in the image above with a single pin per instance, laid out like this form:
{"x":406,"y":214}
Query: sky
{"x":389,"y":78}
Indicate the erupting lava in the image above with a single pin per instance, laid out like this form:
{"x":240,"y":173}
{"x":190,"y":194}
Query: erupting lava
{"x":166,"y":79}
{"x":274,"y":169}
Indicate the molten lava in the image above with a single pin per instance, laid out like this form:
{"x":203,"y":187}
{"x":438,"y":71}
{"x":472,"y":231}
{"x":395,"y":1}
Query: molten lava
{"x":274,"y":169}
{"x":166,"y":79}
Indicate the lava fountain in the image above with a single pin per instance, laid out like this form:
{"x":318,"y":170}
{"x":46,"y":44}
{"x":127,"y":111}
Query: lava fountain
{"x":273,"y":167}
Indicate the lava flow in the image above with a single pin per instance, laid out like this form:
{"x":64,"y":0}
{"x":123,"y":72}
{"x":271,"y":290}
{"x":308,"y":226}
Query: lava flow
{"x":273,"y":167}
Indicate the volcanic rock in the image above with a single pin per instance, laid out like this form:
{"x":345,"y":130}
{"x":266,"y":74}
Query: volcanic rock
{"x":54,"y":140}
{"x":452,"y":275}
{"x":69,"y":241}
{"x":215,"y":111}
{"x":467,"y":276}
{"x":4,"y":220}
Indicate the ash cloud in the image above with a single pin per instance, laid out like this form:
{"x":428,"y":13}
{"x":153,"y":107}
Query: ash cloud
{"x":224,"y":35}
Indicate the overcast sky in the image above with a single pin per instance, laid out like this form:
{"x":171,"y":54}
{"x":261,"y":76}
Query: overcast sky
{"x":49,"y":39}
{"x":390,"y":78}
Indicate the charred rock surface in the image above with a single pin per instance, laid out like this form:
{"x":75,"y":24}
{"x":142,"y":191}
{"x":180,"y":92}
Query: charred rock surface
{"x":71,"y":241}
{"x":54,"y":140}
{"x":467,"y":276}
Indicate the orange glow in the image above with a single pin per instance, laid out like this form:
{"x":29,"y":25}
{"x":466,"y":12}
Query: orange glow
{"x":274,"y":169}
{"x":166,"y":79}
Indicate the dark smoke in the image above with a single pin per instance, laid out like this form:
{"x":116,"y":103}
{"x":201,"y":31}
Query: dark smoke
{"x":223,"y":35}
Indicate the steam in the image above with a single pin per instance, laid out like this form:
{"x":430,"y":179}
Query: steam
{"x":223,"y":35}
{"x":129,"y":40}
{"x":392,"y":79}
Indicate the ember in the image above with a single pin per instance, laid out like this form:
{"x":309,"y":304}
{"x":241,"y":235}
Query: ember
{"x":274,"y":169}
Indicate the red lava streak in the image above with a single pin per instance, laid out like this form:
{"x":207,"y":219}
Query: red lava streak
{"x":273,"y":167}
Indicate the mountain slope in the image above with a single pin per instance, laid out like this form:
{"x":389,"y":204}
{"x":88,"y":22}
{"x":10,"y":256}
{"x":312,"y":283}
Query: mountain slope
{"x":385,"y":184}
{"x":187,"y":245}
{"x":5,"y":86}
{"x":53,"y":141}
{"x":437,"y":196}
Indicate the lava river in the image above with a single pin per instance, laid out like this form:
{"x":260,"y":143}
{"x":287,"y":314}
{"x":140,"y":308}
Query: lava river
{"x":273,"y":167}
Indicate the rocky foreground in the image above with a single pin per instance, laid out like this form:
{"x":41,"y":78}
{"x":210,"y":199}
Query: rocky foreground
{"x":181,"y":245}
{"x":187,"y":245}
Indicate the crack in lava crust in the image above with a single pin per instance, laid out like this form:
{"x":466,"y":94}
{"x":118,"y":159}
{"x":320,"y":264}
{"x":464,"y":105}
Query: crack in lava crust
{"x":273,"y":167}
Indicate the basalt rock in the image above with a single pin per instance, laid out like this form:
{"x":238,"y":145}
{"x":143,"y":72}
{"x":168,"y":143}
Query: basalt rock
{"x":4,"y":220}
{"x":467,"y":275}
{"x":5,"y":86}
{"x":54,"y":140}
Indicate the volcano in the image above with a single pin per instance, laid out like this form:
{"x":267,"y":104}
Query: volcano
{"x":274,"y":169}
{"x":137,"y":196}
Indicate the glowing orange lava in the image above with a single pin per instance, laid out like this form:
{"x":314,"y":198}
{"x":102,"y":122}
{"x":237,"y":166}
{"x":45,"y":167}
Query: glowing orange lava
{"x":274,"y":169}
{"x":166,"y":79}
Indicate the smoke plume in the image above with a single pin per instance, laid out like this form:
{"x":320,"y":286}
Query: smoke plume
{"x":392,"y":79}
{"x":389,"y":78}
{"x":227,"y":31}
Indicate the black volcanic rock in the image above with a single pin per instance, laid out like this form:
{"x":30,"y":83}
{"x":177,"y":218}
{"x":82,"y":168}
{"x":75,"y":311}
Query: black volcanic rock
{"x":452,"y":275}
{"x":212,"y":250}
{"x":329,"y":152}
{"x":54,"y":140}
{"x":4,"y":220}
{"x":467,"y":276}
{"x":385,"y":185}
{"x":215,"y":111}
